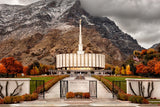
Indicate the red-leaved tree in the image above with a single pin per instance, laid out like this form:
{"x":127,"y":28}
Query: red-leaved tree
{"x":139,"y":68}
{"x":3,"y":70}
{"x":143,"y":52}
{"x":146,"y":70}
{"x":157,"y":68}
{"x":12,"y":65}
{"x":151,"y":65}
{"x":25,"y":69}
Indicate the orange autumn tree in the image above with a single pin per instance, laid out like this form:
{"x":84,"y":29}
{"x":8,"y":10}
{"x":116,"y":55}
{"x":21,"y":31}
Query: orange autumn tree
{"x":12,"y":65}
{"x":3,"y":70}
{"x":145,"y":70}
{"x":139,"y":68}
{"x":143,"y":52}
{"x":157,"y":68}
{"x":151,"y":65}
{"x":25,"y":69}
{"x":34,"y":71}
{"x":151,"y":51}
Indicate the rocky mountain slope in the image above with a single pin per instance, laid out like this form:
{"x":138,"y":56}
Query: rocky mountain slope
{"x":45,"y":28}
{"x":155,"y":45}
{"x":45,"y":47}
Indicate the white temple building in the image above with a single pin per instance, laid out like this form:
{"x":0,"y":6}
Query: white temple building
{"x":80,"y":60}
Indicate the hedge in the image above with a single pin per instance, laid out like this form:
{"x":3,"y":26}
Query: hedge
{"x":17,"y":99}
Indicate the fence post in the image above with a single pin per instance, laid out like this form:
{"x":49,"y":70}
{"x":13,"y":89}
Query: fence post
{"x":120,"y":85}
{"x":113,"y":88}
{"x":36,"y":85}
{"x":43,"y":90}
{"x":60,"y":89}
{"x":96,"y":89}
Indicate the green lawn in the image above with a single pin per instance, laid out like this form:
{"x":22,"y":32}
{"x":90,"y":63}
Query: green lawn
{"x":120,"y":78}
{"x":154,"y":101}
{"x":33,"y":83}
{"x":122,"y":84}
{"x":41,"y":78}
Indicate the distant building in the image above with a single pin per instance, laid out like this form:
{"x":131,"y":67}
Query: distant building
{"x":80,"y":60}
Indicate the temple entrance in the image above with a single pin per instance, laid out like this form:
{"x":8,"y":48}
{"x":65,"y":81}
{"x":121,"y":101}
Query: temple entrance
{"x":78,"y":86}
{"x":80,"y":72}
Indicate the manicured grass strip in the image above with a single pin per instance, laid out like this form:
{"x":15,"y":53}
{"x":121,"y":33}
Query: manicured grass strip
{"x":46,"y":79}
{"x":154,"y":101}
{"x":33,"y":84}
{"x":121,"y":78}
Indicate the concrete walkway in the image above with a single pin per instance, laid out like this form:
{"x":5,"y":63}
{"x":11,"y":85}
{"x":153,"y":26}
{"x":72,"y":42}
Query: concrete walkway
{"x":52,"y":99}
{"x":54,"y":92}
{"x":101,"y":91}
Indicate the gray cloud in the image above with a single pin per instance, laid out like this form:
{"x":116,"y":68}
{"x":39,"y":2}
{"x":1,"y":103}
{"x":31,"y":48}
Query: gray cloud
{"x":17,"y":2}
{"x":140,"y":18}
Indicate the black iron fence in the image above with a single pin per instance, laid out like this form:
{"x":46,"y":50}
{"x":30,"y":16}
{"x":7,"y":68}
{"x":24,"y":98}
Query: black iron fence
{"x":118,"y":86}
{"x":37,"y":86}
{"x":8,"y":75}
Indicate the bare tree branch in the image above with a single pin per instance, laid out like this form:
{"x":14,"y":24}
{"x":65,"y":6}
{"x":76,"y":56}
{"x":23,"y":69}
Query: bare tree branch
{"x":1,"y":94}
{"x":152,"y":88}
{"x":17,"y":90}
{"x":132,"y":88}
{"x":7,"y":88}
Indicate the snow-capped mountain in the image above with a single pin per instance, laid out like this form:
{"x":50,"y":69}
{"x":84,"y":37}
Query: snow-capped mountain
{"x":18,"y":23}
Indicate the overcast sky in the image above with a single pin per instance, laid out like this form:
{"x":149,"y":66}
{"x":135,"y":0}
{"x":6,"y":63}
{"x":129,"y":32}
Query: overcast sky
{"x":139,"y":18}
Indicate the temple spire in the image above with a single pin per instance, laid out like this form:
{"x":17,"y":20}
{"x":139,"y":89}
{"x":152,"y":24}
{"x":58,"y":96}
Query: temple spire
{"x":80,"y":45}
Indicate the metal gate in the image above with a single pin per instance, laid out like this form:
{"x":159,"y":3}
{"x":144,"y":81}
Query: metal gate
{"x":93,"y":88}
{"x":63,"y":88}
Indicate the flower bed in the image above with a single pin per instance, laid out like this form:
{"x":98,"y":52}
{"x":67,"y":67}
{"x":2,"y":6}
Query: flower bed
{"x":134,"y":99}
{"x":121,"y":94}
{"x":17,"y":99}
{"x":78,"y":95}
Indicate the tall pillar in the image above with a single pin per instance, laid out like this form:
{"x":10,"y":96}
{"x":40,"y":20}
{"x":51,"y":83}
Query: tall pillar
{"x":80,"y":45}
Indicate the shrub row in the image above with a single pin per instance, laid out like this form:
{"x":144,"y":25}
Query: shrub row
{"x":121,"y":94}
{"x":132,"y":98}
{"x":77,"y":95}
{"x":50,"y":83}
{"x":17,"y":99}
